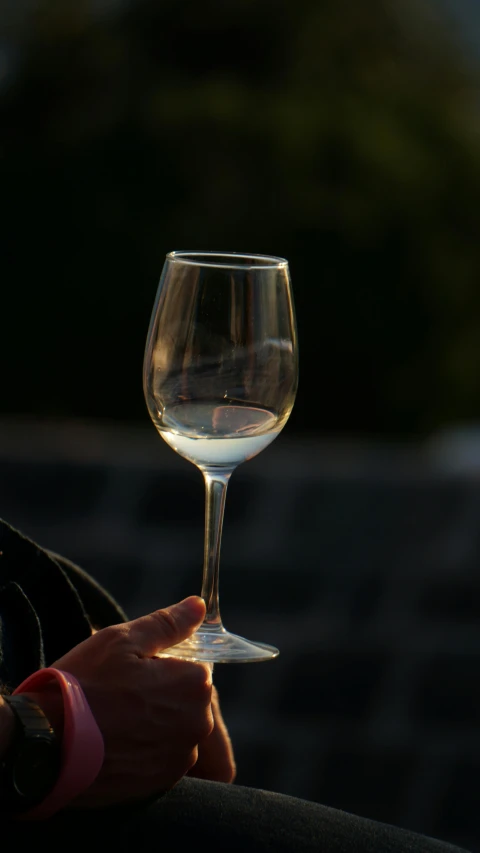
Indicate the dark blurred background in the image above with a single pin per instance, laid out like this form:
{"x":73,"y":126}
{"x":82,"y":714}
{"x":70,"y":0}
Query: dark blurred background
{"x":344,"y":136}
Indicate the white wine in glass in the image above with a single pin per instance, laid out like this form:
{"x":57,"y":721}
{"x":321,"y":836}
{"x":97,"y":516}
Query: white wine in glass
{"x":220,"y":376}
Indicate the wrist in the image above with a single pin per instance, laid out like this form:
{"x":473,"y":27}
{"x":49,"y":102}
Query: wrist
{"x":7,"y":726}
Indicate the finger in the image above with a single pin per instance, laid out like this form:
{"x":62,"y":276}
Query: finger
{"x":164,"y":628}
{"x":216,"y":759}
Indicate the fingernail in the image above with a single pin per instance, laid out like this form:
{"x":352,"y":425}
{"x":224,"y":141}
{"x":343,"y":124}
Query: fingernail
{"x":194,"y":605}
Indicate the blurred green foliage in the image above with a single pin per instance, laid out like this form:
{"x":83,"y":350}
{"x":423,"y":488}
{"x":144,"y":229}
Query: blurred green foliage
{"x":341,"y":135}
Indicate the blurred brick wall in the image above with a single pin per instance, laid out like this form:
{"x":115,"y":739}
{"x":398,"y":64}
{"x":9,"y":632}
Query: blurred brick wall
{"x":360,"y":563}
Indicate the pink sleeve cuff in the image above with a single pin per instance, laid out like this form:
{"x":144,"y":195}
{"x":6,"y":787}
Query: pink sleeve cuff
{"x":82,"y":743}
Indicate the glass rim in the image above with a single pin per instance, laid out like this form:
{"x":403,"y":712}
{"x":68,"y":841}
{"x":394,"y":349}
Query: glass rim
{"x":201,"y":258}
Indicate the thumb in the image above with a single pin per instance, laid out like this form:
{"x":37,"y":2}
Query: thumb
{"x":164,"y":628}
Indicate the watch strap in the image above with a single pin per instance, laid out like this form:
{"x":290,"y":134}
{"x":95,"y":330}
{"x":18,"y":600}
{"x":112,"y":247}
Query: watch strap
{"x":31,"y":726}
{"x":31,"y":717}
{"x":82,"y":743}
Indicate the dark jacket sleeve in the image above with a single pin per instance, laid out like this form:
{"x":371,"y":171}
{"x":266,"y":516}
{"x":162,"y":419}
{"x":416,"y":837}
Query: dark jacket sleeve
{"x":47,"y":606}
{"x":100,"y":606}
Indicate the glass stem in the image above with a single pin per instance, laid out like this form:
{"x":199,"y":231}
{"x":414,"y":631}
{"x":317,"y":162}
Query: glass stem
{"x":216,"y":482}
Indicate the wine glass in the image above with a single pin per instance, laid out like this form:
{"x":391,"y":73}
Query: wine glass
{"x":220,"y":376}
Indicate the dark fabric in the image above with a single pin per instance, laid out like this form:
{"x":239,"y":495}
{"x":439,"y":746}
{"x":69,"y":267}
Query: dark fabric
{"x":19,"y":629}
{"x":100,"y":607}
{"x":199,"y":815}
{"x":47,"y":606}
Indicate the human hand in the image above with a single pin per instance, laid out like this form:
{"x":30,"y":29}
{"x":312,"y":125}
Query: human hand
{"x":216,"y":760}
{"x":152,"y":712}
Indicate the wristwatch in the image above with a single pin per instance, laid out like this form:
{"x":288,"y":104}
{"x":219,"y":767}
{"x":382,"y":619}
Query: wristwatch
{"x":30,"y":766}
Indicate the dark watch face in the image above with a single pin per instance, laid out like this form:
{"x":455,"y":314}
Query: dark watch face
{"x":36,"y":768}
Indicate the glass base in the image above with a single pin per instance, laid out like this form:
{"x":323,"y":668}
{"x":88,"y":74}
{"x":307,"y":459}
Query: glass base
{"x":219,"y":646}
